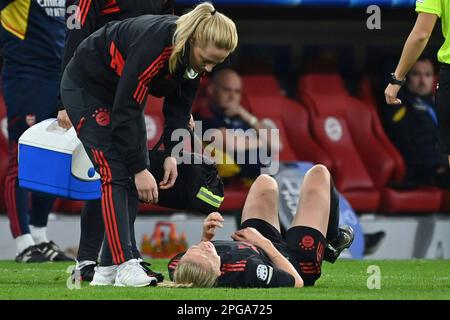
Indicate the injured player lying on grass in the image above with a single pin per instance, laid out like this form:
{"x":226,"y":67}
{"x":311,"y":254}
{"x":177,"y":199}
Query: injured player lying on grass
{"x":259,"y":256}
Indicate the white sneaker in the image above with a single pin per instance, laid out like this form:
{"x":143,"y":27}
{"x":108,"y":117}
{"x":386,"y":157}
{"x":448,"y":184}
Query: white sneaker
{"x":131,"y":274}
{"x":104,"y":276}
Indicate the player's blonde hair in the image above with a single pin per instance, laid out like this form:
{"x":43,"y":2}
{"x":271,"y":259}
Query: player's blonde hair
{"x":189,"y":274}
{"x":205,"y":25}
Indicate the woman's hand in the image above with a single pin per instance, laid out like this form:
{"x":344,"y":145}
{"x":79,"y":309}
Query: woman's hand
{"x":63,"y":120}
{"x":146,"y":187}
{"x":191,"y":124}
{"x":210,"y":224}
{"x":252,"y":236}
{"x":170,"y":173}
{"x":391,"y":93}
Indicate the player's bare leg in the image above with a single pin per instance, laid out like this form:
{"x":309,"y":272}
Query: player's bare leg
{"x":262,"y":201}
{"x":314,"y":205}
{"x":318,"y":208}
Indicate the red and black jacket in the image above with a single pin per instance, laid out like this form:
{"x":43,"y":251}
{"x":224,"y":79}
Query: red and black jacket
{"x":121,"y":64}
{"x":94,"y":14}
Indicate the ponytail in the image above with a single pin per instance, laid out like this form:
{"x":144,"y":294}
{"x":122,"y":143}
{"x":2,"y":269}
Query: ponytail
{"x":205,"y":25}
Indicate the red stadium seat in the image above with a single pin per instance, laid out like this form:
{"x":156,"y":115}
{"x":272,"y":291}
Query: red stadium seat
{"x":297,"y":142}
{"x":382,"y":161}
{"x":268,"y":109}
{"x":234,"y":198}
{"x":318,"y":84}
{"x":350,"y":174}
{"x":261,"y":84}
{"x":365,"y":93}
{"x":299,"y":133}
{"x":154,"y":120}
{"x":418,"y":200}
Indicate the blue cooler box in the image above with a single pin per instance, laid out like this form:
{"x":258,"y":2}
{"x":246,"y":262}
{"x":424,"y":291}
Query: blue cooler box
{"x":52,"y":160}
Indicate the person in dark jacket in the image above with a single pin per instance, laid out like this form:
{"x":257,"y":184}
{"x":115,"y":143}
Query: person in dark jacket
{"x":32,"y":37}
{"x":93,"y":15}
{"x":104,"y":89}
{"x":412,"y":127}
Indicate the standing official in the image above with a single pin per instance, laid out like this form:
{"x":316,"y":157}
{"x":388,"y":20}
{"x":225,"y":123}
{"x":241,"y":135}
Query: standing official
{"x":429,"y":11}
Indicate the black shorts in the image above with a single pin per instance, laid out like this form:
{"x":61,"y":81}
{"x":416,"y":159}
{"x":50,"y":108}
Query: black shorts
{"x":303,"y":246}
{"x":443,"y":109}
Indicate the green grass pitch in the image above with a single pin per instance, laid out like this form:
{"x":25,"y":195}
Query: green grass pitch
{"x":412,"y":279}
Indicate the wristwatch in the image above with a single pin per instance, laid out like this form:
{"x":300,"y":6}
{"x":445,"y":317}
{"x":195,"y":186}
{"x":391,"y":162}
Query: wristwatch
{"x":394,"y":80}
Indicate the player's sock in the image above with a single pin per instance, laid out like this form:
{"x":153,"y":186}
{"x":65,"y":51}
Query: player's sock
{"x":92,"y":231}
{"x":333,"y":221}
{"x":133,"y":206}
{"x":81,"y":264}
{"x":24,"y":241}
{"x":84,"y":270}
{"x":39,"y":234}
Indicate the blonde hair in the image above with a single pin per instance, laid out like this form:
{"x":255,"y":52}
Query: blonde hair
{"x":189,"y":274}
{"x":205,"y":25}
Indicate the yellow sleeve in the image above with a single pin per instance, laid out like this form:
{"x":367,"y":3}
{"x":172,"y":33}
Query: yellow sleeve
{"x":429,"y":6}
{"x":14,"y":17}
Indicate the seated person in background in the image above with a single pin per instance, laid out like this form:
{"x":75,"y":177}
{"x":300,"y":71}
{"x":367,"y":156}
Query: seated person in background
{"x":224,"y":111}
{"x":260,"y":256}
{"x":412,"y":127}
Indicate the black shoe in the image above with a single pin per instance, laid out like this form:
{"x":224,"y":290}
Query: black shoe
{"x":343,"y":241}
{"x":84,"y":272}
{"x":32,"y":254}
{"x":146,"y":266}
{"x":53,"y":252}
{"x":372,"y":241}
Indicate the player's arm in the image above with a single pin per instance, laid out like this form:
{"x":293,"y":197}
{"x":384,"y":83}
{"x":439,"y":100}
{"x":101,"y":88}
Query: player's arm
{"x":252,"y":236}
{"x":416,"y":43}
{"x":127,"y":119}
{"x":282,"y":263}
{"x":213,"y":221}
{"x":413,"y":48}
{"x":177,"y":113}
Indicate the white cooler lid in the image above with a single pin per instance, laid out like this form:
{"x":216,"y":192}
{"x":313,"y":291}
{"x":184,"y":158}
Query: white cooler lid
{"x":49,"y":135}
